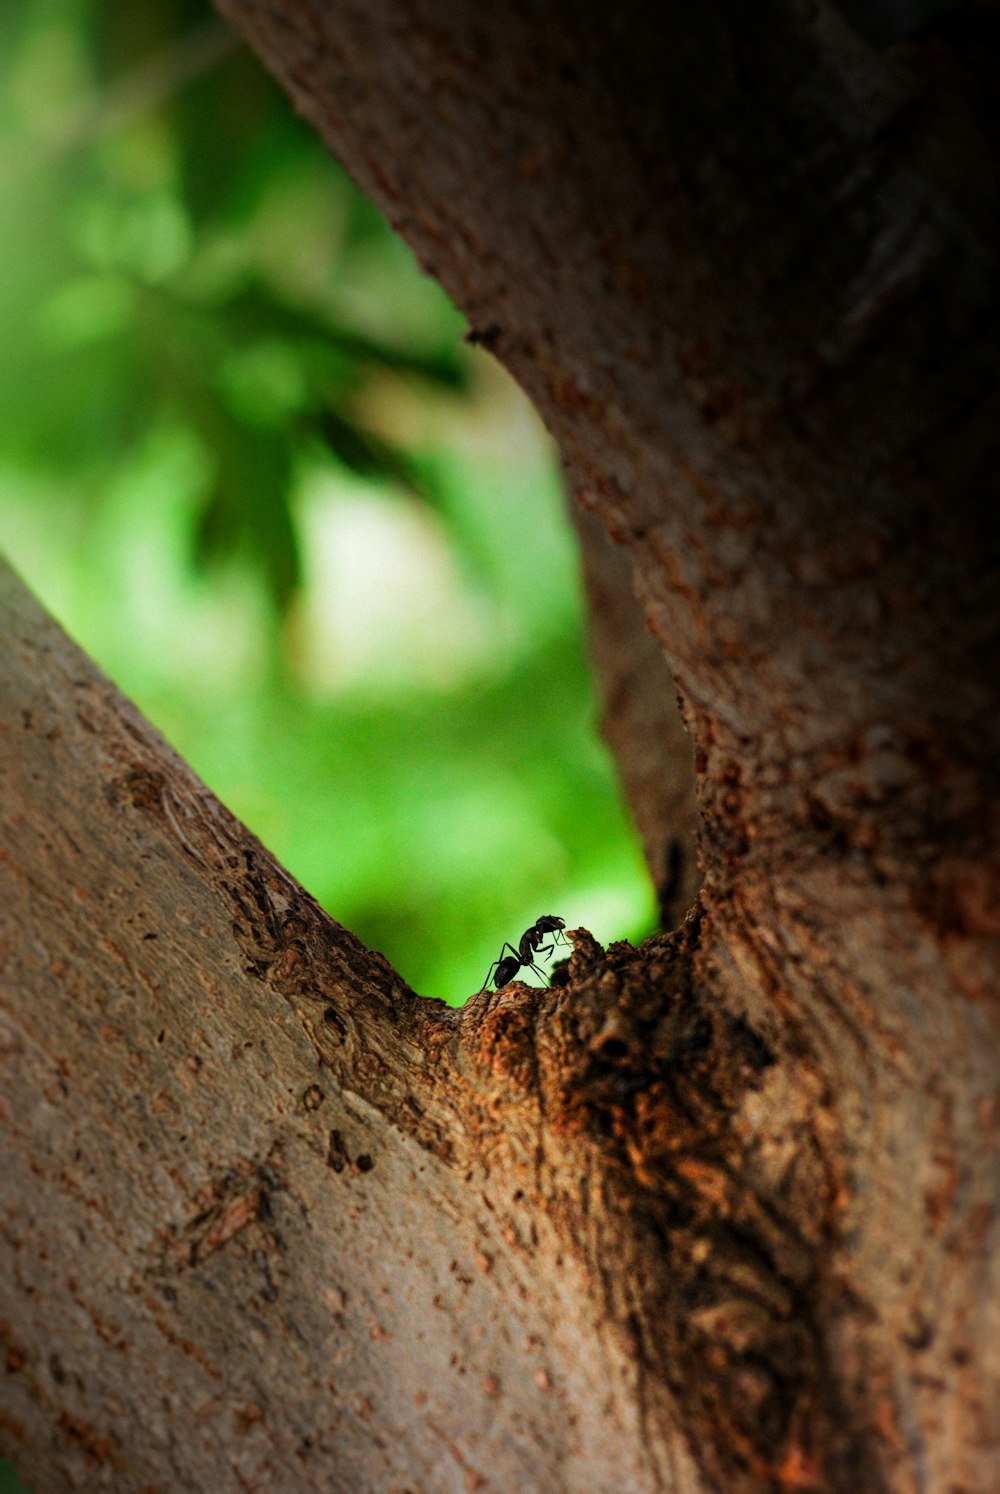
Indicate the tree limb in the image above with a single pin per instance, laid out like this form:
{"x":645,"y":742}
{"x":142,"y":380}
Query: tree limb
{"x":746,"y":1178}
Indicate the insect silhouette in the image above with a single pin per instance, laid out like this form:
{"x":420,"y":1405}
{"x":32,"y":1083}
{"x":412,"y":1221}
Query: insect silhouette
{"x":529,"y":945}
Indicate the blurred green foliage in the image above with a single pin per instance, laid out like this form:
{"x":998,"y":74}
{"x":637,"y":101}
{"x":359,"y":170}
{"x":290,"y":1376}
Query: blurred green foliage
{"x":246,"y":459}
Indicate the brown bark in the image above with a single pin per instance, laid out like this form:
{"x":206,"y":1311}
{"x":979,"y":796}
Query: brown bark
{"x":746,"y":1179}
{"x":640,"y":720}
{"x":268,"y":1219}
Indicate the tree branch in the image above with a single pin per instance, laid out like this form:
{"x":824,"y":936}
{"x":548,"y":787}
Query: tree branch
{"x":269,"y":1215}
{"x":747,"y":270}
{"x":728,"y":1200}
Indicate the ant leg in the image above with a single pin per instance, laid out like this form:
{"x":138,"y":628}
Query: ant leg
{"x":529,"y":964}
{"x":486,"y":982}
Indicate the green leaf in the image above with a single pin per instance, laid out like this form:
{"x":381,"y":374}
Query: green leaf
{"x":258,"y":310}
{"x":246,"y":515}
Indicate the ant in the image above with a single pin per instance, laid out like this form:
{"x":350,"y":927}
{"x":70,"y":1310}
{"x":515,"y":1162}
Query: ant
{"x":508,"y":965}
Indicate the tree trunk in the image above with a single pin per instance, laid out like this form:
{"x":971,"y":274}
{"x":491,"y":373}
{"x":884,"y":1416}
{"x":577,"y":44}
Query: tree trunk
{"x":719,"y":1213}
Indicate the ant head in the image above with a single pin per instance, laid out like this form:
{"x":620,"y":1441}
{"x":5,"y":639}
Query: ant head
{"x":506,"y":970}
{"x":549,"y":923}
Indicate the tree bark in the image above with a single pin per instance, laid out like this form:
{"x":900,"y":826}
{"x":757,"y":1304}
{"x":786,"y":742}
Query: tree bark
{"x":640,"y":720}
{"x":269,"y":1220}
{"x":730,"y":1201}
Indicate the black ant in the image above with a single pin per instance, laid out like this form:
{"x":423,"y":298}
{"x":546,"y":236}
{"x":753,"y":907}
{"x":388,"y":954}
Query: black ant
{"x":508,"y":965}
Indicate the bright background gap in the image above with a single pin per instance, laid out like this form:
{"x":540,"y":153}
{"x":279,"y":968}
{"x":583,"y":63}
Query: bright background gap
{"x":248,"y":463}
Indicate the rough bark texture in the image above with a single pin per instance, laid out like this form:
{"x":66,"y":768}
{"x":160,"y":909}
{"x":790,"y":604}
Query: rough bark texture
{"x":267,"y":1219}
{"x":746,"y":1179}
{"x":640,"y":720}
